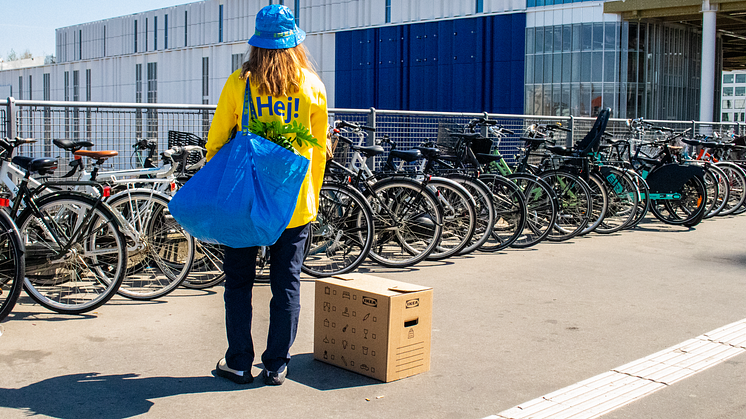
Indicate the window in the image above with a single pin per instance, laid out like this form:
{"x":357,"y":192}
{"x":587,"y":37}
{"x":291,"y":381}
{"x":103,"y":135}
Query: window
{"x":146,"y":34}
{"x":236,"y":62}
{"x":727,"y":91}
{"x":742,"y":115}
{"x":388,"y":11}
{"x":165,"y":32}
{"x":80,"y":44}
{"x":205,"y":79}
{"x":138,"y":83}
{"x":741,"y":91}
{"x":76,"y":85}
{"x":727,"y":104}
{"x":480,"y":6}
{"x":220,"y":23}
{"x":727,"y":78}
{"x":104,"y":41}
{"x":725,"y":117}
{"x":152,"y":82}
{"x":135,"y":36}
{"x":88,"y":85}
{"x":20,"y":87}
{"x":738,"y":103}
{"x":46,"y":87}
{"x":186,"y":24}
{"x":67,"y":86}
{"x":29,"y":88}
{"x":296,"y":12}
{"x":155,"y":33}
{"x":740,"y":78}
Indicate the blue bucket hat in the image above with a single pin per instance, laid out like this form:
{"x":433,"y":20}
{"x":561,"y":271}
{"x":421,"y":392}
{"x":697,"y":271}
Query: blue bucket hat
{"x":275,"y":29}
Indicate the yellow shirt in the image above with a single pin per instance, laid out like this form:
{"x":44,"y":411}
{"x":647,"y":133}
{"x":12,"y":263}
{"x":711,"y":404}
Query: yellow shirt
{"x":308,"y":107}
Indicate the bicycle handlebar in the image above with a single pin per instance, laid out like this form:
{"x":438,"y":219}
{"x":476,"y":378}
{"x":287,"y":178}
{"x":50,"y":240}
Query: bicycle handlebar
{"x":347,"y":124}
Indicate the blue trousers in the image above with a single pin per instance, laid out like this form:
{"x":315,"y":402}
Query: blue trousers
{"x":286,"y":258}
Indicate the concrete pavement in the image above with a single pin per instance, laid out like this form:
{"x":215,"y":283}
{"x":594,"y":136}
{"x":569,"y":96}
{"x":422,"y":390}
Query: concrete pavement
{"x":507,"y":328}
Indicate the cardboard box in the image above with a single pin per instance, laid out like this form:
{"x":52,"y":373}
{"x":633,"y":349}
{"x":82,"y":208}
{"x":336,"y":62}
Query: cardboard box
{"x":373,"y":326}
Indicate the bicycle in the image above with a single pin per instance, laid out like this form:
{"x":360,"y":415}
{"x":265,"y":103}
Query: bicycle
{"x":75,"y":251}
{"x":12,"y":262}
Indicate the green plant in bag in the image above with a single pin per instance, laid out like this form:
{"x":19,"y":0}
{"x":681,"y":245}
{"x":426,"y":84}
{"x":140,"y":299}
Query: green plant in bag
{"x":279,"y":133}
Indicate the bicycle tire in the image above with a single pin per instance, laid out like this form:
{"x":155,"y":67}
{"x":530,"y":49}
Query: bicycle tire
{"x":459,"y":217}
{"x":689,"y":210}
{"x":575,"y":204}
{"x":717,"y":190}
{"x":342,"y":234}
{"x":736,"y":179}
{"x":600,"y":197}
{"x":510,"y":212}
{"x":12,"y":265}
{"x":644,"y":199}
{"x":541,"y":208}
{"x":624,"y":197}
{"x":68,"y":286}
{"x":407,"y":222}
{"x":161,"y":254}
{"x":484,"y":209}
{"x":207,"y":268}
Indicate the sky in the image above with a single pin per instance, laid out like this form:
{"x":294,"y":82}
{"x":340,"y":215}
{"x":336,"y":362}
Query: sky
{"x":30,"y":24}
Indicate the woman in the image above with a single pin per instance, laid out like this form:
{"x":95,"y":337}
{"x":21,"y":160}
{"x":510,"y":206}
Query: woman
{"x":283,"y":87}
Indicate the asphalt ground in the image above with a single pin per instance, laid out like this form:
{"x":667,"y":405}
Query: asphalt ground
{"x":508,"y":327}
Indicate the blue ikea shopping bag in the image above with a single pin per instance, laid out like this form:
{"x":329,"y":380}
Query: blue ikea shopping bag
{"x":245,"y":196}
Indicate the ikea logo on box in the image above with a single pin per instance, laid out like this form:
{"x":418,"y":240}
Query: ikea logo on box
{"x":370,"y":301}
{"x":413,"y":303}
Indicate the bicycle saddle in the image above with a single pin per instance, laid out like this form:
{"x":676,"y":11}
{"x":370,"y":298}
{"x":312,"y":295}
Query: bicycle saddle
{"x":428,"y":152}
{"x":42,"y":165}
{"x":406,"y":155}
{"x":72,"y":145}
{"x":369,"y":151}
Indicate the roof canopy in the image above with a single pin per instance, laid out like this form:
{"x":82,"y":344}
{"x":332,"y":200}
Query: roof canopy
{"x":731,"y":21}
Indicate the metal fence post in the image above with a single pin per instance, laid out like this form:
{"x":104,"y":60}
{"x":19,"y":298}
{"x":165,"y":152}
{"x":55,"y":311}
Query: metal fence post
{"x":11,"y":118}
{"x":694,"y":128}
{"x":371,"y":138}
{"x":571,"y":138}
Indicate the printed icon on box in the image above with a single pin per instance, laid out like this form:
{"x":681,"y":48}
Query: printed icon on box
{"x":344,"y":344}
{"x":372,"y":353}
{"x":334,"y":308}
{"x":373,"y":335}
{"x":366,"y":317}
{"x":333,"y":341}
{"x":326,"y":322}
{"x":326,"y":355}
{"x":327,"y":290}
{"x":334,"y":324}
{"x":364,"y":367}
{"x":326,"y":340}
{"x":344,"y":329}
{"x":365,"y":350}
{"x":415,"y":302}
{"x":334,"y":292}
{"x":346,"y":313}
{"x":372,"y":369}
{"x":327,"y":307}
{"x":411,"y":334}
{"x":344,"y":360}
{"x":346,"y":294}
{"x":352,"y":363}
{"x":354,"y":298}
{"x":352,"y":347}
{"x":365,"y":333}
{"x":370,"y":301}
{"x":375,"y":319}
{"x":332,"y":357}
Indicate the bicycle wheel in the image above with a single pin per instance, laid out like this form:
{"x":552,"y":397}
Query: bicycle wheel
{"x":485,"y":210}
{"x":12,"y":265}
{"x":510,"y":213}
{"x":407,"y":222}
{"x":160,"y":251}
{"x":736,"y":179}
{"x":688,"y":210}
{"x":342,"y":234}
{"x":459,"y":217}
{"x":716,"y":183}
{"x":76,"y":254}
{"x":575,"y":204}
{"x":623,"y":199}
{"x":207,"y":268}
{"x":541,"y":209}
{"x":600,"y":198}
{"x":644,"y":199}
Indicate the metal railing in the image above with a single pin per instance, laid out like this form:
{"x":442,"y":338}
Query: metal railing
{"x":117,"y":126}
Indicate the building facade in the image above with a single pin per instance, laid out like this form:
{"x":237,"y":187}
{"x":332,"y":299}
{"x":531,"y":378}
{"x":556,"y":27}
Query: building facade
{"x":547,"y":57}
{"x":733,"y":105}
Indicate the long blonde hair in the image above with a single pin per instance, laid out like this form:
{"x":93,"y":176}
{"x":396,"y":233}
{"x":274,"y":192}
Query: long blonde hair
{"x":277,"y":72}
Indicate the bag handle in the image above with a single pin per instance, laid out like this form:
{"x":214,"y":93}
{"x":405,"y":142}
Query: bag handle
{"x":248,"y":105}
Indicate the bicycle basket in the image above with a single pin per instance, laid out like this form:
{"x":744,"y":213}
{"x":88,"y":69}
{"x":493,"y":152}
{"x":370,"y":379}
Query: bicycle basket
{"x":341,"y":151}
{"x":181,"y":139}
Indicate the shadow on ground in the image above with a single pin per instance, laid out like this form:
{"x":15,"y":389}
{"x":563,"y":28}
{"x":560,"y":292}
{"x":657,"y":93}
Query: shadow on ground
{"x":90,"y":395}
{"x":305,"y":370}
